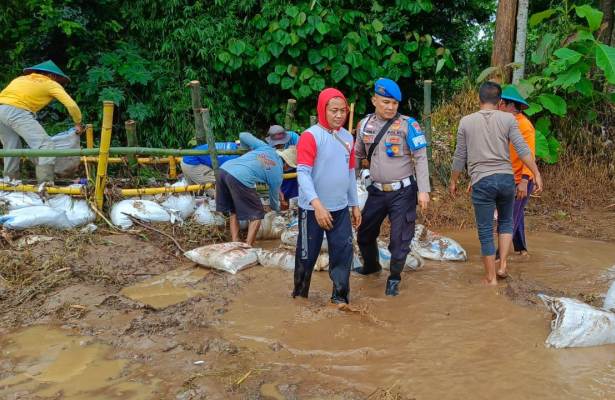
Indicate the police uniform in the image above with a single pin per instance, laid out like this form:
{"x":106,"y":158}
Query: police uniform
{"x":398,"y":171}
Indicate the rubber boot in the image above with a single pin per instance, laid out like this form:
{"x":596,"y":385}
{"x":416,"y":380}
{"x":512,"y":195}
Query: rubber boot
{"x":44,"y":173}
{"x":371,"y":259}
{"x":394,"y":280}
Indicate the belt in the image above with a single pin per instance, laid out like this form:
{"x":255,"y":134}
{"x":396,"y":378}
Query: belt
{"x":393,"y":186}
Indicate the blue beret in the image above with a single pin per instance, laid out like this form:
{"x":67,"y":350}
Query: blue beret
{"x":387,"y":88}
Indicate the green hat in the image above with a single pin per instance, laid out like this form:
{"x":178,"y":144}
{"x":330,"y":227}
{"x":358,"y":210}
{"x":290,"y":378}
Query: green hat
{"x":511,"y":93}
{"x":48,"y":66}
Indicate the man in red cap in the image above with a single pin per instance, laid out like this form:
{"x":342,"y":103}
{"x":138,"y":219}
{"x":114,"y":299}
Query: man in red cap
{"x":23,"y":97}
{"x":327,"y":189}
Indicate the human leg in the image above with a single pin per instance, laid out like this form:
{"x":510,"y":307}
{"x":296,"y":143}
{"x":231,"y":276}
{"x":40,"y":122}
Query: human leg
{"x":339,"y":240}
{"x":505,"y":200}
{"x":483,"y":199}
{"x":252,"y":231}
{"x":373,"y":214}
{"x":10,"y":140}
{"x":519,"y":242}
{"x":309,"y":242}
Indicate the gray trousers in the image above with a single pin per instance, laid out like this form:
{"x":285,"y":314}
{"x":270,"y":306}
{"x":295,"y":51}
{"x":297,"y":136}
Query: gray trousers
{"x":198,"y":174}
{"x":17,"y":124}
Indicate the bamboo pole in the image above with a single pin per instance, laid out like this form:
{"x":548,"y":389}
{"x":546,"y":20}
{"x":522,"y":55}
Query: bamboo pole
{"x":290,"y":114}
{"x":89,"y":136}
{"x":140,"y":160}
{"x":313,"y":120}
{"x":48,"y":189}
{"x":165,"y":189}
{"x":132,"y":141}
{"x":105,"y":142}
{"x":172,"y":167}
{"x":211,"y":142}
{"x":197,"y":110}
{"x":351,"y":118}
{"x":427,"y":121}
{"x":145,"y":151}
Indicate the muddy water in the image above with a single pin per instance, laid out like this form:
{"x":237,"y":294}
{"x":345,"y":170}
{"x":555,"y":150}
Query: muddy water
{"x":49,"y":361}
{"x":444,"y":337}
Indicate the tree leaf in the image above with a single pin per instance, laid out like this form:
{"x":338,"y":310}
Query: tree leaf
{"x":553,"y":103}
{"x":411,"y":47}
{"x":585,"y":87}
{"x":534,"y":108}
{"x":537,"y":18}
{"x":541,"y":55}
{"x":569,"y":77}
{"x":329,"y":52}
{"x":306,"y":73}
{"x":400,"y":58}
{"x":292,"y":70}
{"x":317,"y":83}
{"x":292,"y":11}
{"x":485,"y":74}
{"x":568,"y":55}
{"x":273,"y":78}
{"x":287,"y":83}
{"x":323,"y":28}
{"x":354,"y":59}
{"x":294,"y":52}
{"x":593,"y":16}
{"x":339,"y":71}
{"x":440,"y":64}
{"x":314,"y":56}
{"x":236,"y":47}
{"x":300,"y":19}
{"x":139,"y":111}
{"x":378,"y":26}
{"x":262,"y":58}
{"x":304,"y":91}
{"x":605,"y":59}
{"x":275,"y":49}
{"x":112,"y":94}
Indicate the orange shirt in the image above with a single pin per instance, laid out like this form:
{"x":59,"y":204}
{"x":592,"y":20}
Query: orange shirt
{"x":529,"y":134}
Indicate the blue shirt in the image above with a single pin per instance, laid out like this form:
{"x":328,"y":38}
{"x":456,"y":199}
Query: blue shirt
{"x":294,"y":139}
{"x":206,"y":160}
{"x":260,"y":165}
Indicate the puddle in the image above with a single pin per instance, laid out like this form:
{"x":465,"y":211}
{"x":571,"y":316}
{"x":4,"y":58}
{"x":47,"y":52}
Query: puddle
{"x":166,"y":289}
{"x":444,"y":337}
{"x":48,"y":362}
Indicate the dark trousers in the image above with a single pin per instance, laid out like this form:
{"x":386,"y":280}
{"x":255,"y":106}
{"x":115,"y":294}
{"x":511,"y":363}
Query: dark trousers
{"x":519,"y":220}
{"x":400,"y":206}
{"x":339,"y":240}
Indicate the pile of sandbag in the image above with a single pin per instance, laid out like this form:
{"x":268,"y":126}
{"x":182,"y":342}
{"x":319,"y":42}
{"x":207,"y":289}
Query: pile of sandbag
{"x":229,"y":257}
{"x":29,"y":210}
{"x":66,"y":167}
{"x":144,"y":210}
{"x":432,"y":246}
{"x":576,"y":324}
{"x":413,"y":260}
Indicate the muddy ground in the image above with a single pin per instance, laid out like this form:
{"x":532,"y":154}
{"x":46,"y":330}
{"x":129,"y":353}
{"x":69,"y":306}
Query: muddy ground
{"x":218,"y":345}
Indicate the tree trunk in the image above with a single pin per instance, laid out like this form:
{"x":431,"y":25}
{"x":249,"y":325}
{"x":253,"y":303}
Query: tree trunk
{"x":504,"y":40}
{"x":606,"y":34}
{"x":519,"y":73}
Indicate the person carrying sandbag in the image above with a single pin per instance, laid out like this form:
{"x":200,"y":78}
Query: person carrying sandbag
{"x":23,"y":97}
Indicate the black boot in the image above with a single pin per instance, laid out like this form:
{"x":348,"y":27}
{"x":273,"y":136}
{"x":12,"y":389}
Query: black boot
{"x":339,"y":296}
{"x":394,"y":280}
{"x":371,"y":259}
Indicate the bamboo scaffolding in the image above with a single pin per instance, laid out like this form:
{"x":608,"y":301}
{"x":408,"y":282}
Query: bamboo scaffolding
{"x":105,"y":142}
{"x":113,"y":151}
{"x":89,"y":136}
{"x":75,"y":191}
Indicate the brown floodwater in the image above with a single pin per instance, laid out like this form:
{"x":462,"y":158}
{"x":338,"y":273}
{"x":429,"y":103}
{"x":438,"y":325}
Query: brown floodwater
{"x":444,"y":337}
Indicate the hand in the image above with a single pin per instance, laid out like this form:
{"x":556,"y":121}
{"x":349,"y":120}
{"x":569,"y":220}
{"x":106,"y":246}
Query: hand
{"x":452,"y":188}
{"x":522,"y":189}
{"x":423,"y":200}
{"x":356,"y":216}
{"x":538,"y":183}
{"x":469,"y":188}
{"x":78,"y":129}
{"x":323,"y":216}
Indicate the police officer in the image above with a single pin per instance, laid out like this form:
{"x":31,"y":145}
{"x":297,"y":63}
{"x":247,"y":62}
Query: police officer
{"x":395,"y":148}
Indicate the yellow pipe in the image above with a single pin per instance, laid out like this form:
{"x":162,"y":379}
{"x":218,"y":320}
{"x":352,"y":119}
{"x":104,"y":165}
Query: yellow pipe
{"x":48,"y":189}
{"x":89,"y":136}
{"x":142,"y":160}
{"x":105,"y":143}
{"x":166,"y":189}
{"x":172,"y":167}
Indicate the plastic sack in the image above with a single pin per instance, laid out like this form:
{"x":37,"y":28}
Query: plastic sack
{"x":184,"y":205}
{"x":16,"y":200}
{"x":278,"y":258}
{"x":432,"y":246}
{"x":66,"y":167}
{"x":577,"y":324}
{"x":362,"y":193}
{"x":231,"y":257}
{"x":35,"y":216}
{"x":271,"y":226}
{"x":413,"y":261}
{"x":289,"y":238}
{"x":78,"y":212}
{"x":204,"y":216}
{"x":145,"y":210}
{"x":609,"y":300}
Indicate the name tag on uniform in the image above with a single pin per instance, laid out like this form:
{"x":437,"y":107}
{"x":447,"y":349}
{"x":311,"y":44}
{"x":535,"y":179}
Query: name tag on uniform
{"x":394,"y":139}
{"x":419,"y":141}
{"x":368,"y":138}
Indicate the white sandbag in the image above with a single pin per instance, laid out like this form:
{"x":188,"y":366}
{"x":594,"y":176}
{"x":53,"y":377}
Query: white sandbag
{"x":204,"y":216}
{"x":289,"y":237}
{"x":66,"y":166}
{"x":609,"y":300}
{"x":277,"y":258}
{"x":16,"y":200}
{"x":184,"y":205}
{"x":413,"y":261}
{"x":230,"y":257}
{"x":362,"y":193}
{"x":577,"y":324}
{"x":78,"y":212}
{"x":145,"y":210}
{"x":271,"y":226}
{"x":432,"y":246}
{"x":322,"y":262}
{"x":35,"y":216}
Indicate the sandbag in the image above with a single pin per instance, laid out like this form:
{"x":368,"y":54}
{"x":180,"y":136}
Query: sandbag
{"x":576,"y":324}
{"x":609,"y":300}
{"x":271,"y":226}
{"x":78,"y":212}
{"x":204,"y":216}
{"x":277,"y":258}
{"x":35,"y":216}
{"x":413,"y":261}
{"x":362,"y":193}
{"x":16,"y":200}
{"x":145,"y":210}
{"x":184,"y":205}
{"x":289,"y":237}
{"x":66,"y":167}
{"x":432,"y":246}
{"x":230,"y":257}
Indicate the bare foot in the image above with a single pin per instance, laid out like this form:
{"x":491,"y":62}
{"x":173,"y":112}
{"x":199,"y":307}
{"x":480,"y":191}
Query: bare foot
{"x":488,"y":282}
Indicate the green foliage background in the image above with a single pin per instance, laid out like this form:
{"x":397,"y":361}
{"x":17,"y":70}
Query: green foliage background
{"x":250,"y":56}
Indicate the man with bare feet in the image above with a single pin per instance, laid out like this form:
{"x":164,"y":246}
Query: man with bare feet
{"x":483,"y":140}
